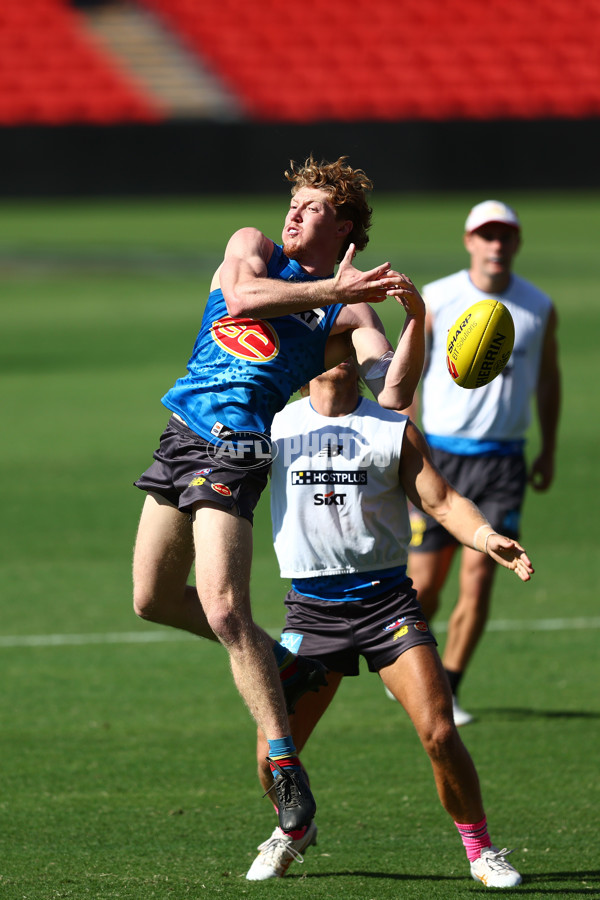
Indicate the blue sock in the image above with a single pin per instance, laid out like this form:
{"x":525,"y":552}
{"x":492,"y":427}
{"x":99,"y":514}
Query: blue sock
{"x":281,"y":653}
{"x":283,"y":752}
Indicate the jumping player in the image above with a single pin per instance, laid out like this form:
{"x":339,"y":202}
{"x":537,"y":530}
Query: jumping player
{"x":276,"y":316}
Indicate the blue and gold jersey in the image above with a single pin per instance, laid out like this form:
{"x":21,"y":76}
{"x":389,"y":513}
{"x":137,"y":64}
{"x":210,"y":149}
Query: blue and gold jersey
{"x":242,"y":371}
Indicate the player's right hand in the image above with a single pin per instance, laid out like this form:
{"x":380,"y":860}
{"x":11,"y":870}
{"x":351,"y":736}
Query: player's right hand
{"x":354,"y":286}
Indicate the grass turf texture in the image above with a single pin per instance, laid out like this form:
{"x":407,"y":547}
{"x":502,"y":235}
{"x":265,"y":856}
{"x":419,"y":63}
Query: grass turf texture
{"x":128,"y":768}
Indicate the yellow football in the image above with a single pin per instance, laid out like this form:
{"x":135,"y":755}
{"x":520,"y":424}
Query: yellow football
{"x":480,"y":343}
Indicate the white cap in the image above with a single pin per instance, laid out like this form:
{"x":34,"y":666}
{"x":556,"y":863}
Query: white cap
{"x":491,"y":211}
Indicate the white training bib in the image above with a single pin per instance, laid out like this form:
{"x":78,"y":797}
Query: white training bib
{"x":337,"y":505}
{"x":500,"y":410}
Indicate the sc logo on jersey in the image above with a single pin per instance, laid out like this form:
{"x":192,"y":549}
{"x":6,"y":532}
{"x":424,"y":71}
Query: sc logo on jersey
{"x":330,"y":499}
{"x":253,"y":340}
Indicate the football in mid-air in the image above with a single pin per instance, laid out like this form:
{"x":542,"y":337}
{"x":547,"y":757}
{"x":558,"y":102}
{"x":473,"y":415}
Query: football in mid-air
{"x":480,"y":343}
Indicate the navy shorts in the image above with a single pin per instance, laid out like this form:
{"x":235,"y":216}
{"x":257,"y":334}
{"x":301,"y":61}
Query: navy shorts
{"x":338,"y":632}
{"x":185,"y":473}
{"x":495,"y":483}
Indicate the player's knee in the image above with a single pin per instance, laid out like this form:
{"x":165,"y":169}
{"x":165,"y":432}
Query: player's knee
{"x":226,"y":622}
{"x":438,"y":737}
{"x":144,"y":604}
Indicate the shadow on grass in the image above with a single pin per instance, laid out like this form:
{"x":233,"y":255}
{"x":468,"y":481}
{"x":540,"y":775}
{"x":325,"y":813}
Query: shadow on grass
{"x":530,"y":883}
{"x":518,"y":712}
{"x":568,"y":879}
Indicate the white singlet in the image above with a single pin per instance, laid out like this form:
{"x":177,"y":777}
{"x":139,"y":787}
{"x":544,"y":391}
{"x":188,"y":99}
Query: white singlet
{"x":336,"y":501}
{"x":500,"y":411}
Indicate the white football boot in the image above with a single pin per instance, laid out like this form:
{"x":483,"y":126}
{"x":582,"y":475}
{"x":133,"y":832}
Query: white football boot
{"x":461,"y":716}
{"x":492,"y":869}
{"x":278,"y":852}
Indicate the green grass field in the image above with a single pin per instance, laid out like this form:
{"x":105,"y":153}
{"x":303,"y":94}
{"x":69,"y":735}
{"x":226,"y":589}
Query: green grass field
{"x":127,"y":758}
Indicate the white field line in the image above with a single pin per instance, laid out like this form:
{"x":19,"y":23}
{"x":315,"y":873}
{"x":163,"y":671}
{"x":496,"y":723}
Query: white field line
{"x":162,"y":635}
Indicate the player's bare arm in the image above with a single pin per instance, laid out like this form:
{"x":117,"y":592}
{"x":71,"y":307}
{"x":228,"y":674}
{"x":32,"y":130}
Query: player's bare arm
{"x":548,"y":408}
{"x":392,"y":376}
{"x":248,"y":292}
{"x":430,"y":492}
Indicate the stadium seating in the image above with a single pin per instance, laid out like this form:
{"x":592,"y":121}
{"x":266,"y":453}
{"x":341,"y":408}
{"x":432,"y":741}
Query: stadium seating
{"x":398,"y":59}
{"x":388,"y":60}
{"x":52,"y":72}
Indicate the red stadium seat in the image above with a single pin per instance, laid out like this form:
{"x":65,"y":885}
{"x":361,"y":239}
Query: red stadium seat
{"x":426,"y":59}
{"x":51,"y":72}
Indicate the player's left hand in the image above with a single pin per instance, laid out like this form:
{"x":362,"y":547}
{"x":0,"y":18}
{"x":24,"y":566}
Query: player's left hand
{"x":541,"y":474}
{"x":407,"y":294}
{"x":511,"y":555}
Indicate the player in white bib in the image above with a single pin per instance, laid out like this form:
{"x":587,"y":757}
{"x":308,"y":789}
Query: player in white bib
{"x":341,"y":480}
{"x":478,"y":436}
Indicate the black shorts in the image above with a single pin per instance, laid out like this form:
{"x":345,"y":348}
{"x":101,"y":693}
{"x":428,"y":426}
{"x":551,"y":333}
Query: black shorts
{"x":495,"y":483}
{"x":338,"y":632}
{"x":184,"y":472}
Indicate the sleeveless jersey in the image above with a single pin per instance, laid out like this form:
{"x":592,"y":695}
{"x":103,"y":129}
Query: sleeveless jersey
{"x":337,"y":505}
{"x":481,"y":420}
{"x":243,"y":370}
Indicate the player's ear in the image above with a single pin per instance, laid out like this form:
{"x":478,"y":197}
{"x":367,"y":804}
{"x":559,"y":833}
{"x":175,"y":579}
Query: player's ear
{"x":344,"y":228}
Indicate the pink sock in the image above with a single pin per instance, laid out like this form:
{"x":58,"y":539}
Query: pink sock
{"x":475,"y":838}
{"x":296,"y":835}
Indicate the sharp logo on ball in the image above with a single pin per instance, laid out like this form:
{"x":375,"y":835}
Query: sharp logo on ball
{"x":251,"y":339}
{"x":460,"y":331}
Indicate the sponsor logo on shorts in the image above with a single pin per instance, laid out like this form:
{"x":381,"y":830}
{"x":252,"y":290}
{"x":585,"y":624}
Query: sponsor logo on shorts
{"x":221,"y":489}
{"x":330,"y":499}
{"x":329,"y":477}
{"x":201,"y":472}
{"x":243,"y":450}
{"x":421,"y":626}
{"x":217,"y":429}
{"x":291,"y":641}
{"x":401,"y":632}
{"x":395,"y":624}
{"x":196,"y":482}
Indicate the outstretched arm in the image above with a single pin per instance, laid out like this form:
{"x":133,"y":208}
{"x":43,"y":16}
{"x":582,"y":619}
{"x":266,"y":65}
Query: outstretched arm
{"x":425,"y":486}
{"x":248,"y":292}
{"x":392,"y":376}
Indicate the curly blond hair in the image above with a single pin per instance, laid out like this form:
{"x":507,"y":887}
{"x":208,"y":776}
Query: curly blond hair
{"x":347,"y":189}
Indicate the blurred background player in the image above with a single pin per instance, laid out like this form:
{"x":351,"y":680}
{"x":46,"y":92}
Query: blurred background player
{"x":340,"y":482}
{"x":276,"y":316}
{"x":477,"y":437}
